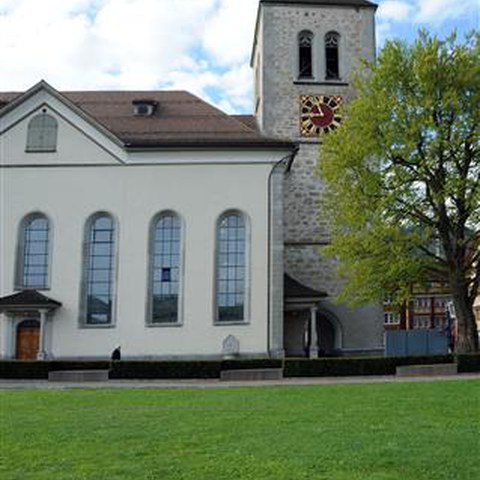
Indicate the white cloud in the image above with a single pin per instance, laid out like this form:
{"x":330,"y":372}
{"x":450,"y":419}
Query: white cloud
{"x":229,"y":35}
{"x":395,"y":15}
{"x":198,"y":45}
{"x":437,"y":11}
{"x":426,"y":11}
{"x":394,"y":10}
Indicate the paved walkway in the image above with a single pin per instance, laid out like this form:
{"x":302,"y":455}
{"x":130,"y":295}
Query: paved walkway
{"x":114,"y":384}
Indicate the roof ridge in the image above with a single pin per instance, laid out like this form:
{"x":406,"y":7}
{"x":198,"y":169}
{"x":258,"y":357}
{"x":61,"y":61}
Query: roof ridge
{"x":185,"y":119}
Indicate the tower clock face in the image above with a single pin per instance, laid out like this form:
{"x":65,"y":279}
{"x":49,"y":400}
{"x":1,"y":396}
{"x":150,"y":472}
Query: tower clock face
{"x":319,"y":114}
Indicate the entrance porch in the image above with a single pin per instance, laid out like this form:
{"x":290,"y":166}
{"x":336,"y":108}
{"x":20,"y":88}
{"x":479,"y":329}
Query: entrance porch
{"x":28,"y":314}
{"x":310,"y":330}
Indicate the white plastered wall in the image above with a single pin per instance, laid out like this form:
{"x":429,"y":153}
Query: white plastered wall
{"x":73,"y":183}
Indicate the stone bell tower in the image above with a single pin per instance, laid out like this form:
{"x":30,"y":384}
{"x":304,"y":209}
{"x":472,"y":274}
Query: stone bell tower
{"x":303,"y":56}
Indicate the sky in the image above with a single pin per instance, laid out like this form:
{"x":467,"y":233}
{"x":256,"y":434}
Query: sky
{"x":202,"y":46}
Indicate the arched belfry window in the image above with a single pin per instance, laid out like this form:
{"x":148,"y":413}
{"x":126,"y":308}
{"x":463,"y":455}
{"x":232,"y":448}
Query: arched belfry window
{"x":165,"y":269}
{"x":232,"y":266}
{"x":99,"y":270}
{"x":305,"y":54}
{"x":42,"y":133}
{"x":33,"y":252}
{"x":332,"y":69}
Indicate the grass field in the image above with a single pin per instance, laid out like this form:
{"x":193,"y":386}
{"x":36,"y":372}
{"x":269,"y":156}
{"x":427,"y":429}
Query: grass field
{"x":404,"y":431}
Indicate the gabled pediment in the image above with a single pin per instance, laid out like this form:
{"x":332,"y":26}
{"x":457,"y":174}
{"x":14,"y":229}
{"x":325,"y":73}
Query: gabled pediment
{"x":81,"y":139}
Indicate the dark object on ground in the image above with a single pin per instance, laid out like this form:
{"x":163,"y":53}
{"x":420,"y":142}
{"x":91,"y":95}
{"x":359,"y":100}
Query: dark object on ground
{"x":116,"y":354}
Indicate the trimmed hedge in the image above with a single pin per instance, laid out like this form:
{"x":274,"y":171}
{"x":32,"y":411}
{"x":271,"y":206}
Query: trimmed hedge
{"x":55,"y":365}
{"x":15,"y":370}
{"x":130,"y":370}
{"x":468,"y":363}
{"x":38,"y":370}
{"x":293,"y":367}
{"x":245,"y":364}
{"x":144,"y":370}
{"x":352,"y":366}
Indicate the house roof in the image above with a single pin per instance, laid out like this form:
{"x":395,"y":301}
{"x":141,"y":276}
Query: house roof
{"x":27,"y":299}
{"x":341,"y":3}
{"x":249,"y":120}
{"x":180,"y":119}
{"x":294,"y":289}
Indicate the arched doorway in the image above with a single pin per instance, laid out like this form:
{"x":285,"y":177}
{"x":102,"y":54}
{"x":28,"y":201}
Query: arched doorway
{"x":326,"y":336}
{"x":329,"y":333}
{"x":295,"y":339}
{"x":27,"y":340}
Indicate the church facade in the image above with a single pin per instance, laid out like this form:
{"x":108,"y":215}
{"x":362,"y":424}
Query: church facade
{"x":155,"y":222}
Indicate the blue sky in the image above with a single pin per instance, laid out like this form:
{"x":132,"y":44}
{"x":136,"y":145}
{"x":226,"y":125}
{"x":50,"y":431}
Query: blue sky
{"x":198,"y":45}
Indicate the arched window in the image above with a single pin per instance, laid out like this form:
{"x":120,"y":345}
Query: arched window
{"x":231,"y":268}
{"x":42,"y":133}
{"x":99,"y":275}
{"x":165,"y":269}
{"x":332,"y":42}
{"x":305,"y":63}
{"x":33,"y":252}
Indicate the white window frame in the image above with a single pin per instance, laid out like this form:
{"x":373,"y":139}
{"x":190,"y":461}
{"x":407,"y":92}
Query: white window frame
{"x":20,"y":253}
{"x":83,"y":310}
{"x":247,"y":267}
{"x":42,"y":133}
{"x":151,"y":258}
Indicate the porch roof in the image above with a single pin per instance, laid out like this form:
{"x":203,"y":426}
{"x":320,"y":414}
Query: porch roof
{"x":293,"y":289}
{"x":28,"y":299}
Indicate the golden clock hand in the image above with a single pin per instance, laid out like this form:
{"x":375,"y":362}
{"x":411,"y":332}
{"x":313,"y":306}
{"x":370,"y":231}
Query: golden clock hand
{"x":318,"y":104}
{"x":319,"y":114}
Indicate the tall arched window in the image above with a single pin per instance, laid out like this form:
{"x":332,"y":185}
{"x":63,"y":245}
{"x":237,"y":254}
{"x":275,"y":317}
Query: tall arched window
{"x":99,"y":275}
{"x":33,"y":252}
{"x":165,"y":269}
{"x":332,"y":42}
{"x":231,"y":269}
{"x":305,"y":55}
{"x":42,"y":133}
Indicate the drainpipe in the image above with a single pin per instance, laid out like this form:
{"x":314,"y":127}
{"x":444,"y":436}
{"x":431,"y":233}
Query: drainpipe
{"x":287,"y":162}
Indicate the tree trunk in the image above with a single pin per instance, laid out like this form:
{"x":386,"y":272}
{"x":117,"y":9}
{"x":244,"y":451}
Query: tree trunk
{"x":466,"y":340}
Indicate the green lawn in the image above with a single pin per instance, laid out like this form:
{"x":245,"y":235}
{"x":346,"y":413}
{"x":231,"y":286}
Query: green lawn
{"x":401,"y":431}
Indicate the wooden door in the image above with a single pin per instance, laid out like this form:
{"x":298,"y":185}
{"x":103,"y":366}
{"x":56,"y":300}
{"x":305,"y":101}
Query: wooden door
{"x":28,"y":338}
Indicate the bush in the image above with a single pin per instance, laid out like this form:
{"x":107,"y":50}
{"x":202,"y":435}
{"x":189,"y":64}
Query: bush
{"x":351,"y":366}
{"x":293,"y":367}
{"x":22,"y":370}
{"x":144,"y":370}
{"x":240,"y":364}
{"x":38,"y":370}
{"x":468,"y":363}
{"x":55,"y":365}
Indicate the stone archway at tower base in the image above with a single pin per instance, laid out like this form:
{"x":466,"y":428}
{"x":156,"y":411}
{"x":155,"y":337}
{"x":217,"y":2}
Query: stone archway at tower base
{"x":310,"y":330}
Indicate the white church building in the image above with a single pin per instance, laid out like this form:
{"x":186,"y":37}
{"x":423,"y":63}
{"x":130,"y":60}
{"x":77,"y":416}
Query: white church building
{"x":154,"y":221}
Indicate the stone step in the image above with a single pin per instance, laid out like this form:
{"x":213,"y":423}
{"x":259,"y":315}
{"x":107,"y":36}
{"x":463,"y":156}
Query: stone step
{"x":78,"y":376}
{"x":439,"y":369}
{"x":251,"y":374}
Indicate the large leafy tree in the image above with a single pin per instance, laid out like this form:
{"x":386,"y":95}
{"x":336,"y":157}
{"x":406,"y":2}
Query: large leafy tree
{"x":403,"y":176}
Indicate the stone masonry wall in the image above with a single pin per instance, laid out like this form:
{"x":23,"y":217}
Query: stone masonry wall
{"x":278,"y":112}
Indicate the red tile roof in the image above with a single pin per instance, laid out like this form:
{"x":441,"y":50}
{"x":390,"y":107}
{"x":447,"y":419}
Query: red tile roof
{"x":180,"y":120}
